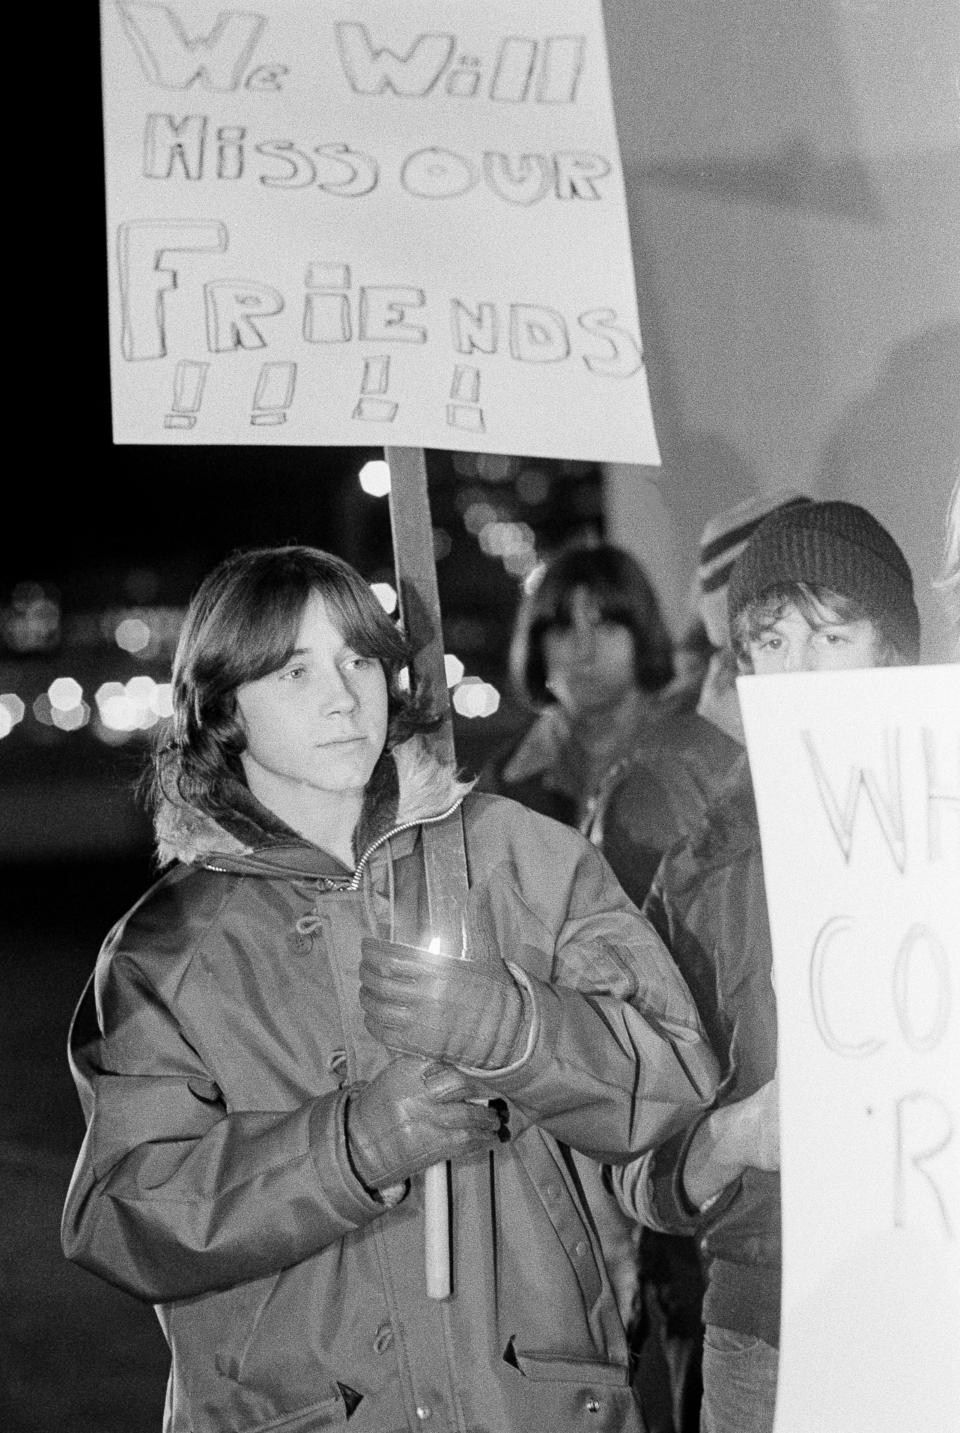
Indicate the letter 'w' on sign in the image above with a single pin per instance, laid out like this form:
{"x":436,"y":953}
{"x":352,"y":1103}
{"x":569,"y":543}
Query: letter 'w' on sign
{"x":174,"y":59}
{"x":889,"y":808}
{"x":372,"y":71}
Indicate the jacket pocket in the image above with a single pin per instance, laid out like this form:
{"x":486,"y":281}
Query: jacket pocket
{"x":573,"y":1394}
{"x":328,"y":1413}
{"x":269,"y":1369}
{"x":553,"y":1368}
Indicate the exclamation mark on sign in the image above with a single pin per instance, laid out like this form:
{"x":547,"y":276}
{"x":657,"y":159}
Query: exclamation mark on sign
{"x":465,"y":388}
{"x":376,"y":379}
{"x":274,"y":394}
{"x":188,"y":385}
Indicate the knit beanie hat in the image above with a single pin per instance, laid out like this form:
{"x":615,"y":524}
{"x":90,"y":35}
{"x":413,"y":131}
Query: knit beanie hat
{"x":721,"y":543}
{"x":837,"y":545}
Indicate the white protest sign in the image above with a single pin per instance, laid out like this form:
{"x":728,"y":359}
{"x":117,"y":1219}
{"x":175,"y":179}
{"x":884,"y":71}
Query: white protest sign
{"x":857,"y":779}
{"x":365,"y":223}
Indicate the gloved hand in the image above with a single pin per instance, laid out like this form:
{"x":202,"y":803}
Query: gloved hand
{"x":413,"y":1114}
{"x":469,"y":1012}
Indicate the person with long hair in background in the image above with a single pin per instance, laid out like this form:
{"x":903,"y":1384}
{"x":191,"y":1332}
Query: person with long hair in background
{"x":590,"y":657}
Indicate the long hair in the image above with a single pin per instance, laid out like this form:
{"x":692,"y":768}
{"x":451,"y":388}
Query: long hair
{"x":241,"y":624}
{"x":623,"y":594}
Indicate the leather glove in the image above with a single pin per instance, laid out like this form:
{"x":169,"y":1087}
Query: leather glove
{"x":413,"y":1114}
{"x":469,"y":1012}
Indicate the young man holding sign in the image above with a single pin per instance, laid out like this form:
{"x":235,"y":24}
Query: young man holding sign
{"x":272,"y":1052}
{"x":821,"y":586}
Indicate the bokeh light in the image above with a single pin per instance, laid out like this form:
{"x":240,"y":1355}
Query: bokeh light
{"x":385,"y":595}
{"x":478,"y":516}
{"x":12,"y":711}
{"x":70,"y":718}
{"x":42,"y":710}
{"x":375,"y":477}
{"x":65,"y":693}
{"x":32,"y":621}
{"x":475,"y":698}
{"x":132,"y":634}
{"x":127,"y":707}
{"x":534,"y":577}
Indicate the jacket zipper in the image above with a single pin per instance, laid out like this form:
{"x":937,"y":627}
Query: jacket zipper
{"x":352,"y":883}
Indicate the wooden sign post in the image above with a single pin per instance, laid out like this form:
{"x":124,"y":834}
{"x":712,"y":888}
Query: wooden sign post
{"x":444,"y":853}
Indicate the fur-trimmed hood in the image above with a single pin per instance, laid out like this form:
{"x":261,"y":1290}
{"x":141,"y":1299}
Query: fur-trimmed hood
{"x":408,"y":785}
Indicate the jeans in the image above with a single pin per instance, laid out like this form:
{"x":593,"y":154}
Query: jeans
{"x":739,"y":1382}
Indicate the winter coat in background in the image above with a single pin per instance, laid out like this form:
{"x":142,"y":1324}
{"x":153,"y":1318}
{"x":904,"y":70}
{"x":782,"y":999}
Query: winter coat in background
{"x":709,"y":906}
{"x":214,"y":1052}
{"x":658,"y":794}
{"x":550,"y":768}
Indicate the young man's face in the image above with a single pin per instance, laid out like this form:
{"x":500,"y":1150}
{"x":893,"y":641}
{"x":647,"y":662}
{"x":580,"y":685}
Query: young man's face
{"x":319,"y":722}
{"x":822,"y":643}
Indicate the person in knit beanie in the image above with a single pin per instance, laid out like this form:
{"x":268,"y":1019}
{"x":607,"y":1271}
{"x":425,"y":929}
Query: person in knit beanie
{"x":642,"y":807}
{"x":722,"y":541}
{"x":825,"y":557}
{"x":819,"y":586}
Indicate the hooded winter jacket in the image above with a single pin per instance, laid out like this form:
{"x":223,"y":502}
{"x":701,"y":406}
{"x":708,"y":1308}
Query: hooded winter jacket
{"x":214,"y":1053}
{"x":708,"y":903}
{"x":550,"y":768}
{"x":655,"y":796}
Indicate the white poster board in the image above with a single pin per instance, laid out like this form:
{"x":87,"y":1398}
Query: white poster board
{"x":857,"y":778}
{"x":370,"y":223}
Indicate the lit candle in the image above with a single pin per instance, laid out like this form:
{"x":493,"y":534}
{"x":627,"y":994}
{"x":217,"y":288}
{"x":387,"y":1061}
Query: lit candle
{"x":436,"y":1210}
{"x":436,"y":1179}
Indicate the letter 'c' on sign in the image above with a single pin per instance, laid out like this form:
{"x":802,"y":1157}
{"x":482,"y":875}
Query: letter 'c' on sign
{"x":818,"y":993}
